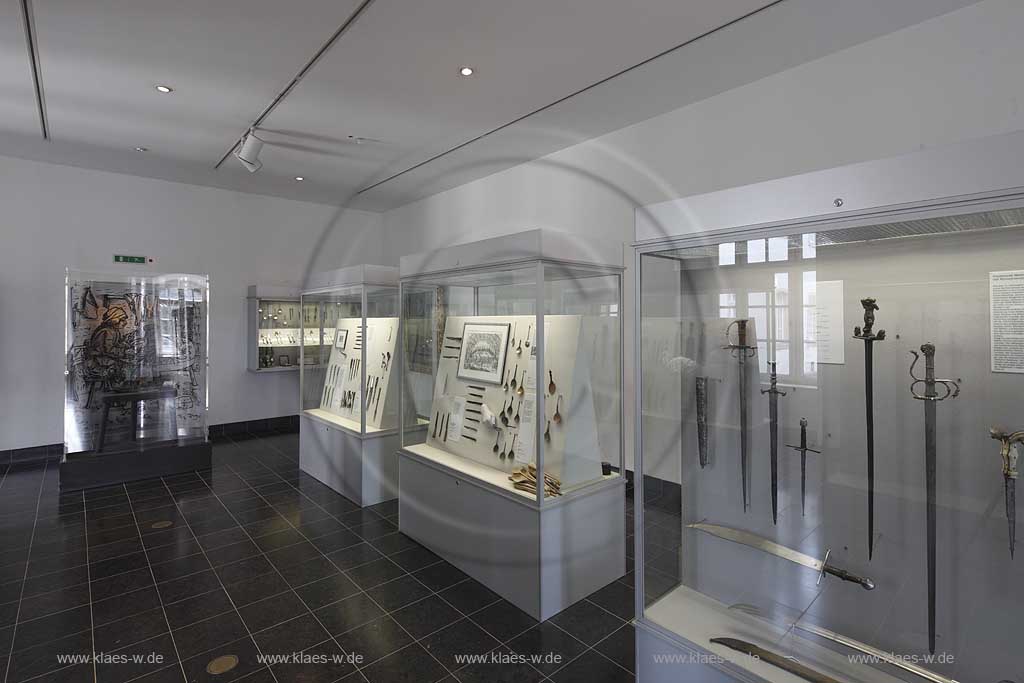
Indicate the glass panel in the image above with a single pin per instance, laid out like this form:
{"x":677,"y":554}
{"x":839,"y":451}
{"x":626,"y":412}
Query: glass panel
{"x":333,"y":359}
{"x":136,"y":362}
{"x":279,"y":330}
{"x":955,"y":283}
{"x":381,"y":358}
{"x":580,"y":379}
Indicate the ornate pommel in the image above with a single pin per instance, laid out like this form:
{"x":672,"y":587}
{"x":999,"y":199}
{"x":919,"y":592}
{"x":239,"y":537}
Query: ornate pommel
{"x":741,"y":344}
{"x":1008,"y":452}
{"x":866,"y":332}
{"x":930,"y":381}
{"x":803,"y":423}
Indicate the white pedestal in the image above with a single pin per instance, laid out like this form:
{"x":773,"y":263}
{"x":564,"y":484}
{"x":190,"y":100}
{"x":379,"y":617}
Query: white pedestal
{"x":540,"y":559}
{"x":363,"y":468}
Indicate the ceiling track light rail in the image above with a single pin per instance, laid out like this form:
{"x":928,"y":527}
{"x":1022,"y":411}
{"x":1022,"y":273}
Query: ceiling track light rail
{"x":32,"y":43}
{"x":299,"y":76}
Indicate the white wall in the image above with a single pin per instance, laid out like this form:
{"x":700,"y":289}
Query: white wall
{"x":952,"y":78}
{"x":57,"y":216}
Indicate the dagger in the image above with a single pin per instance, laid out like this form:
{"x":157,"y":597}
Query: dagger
{"x":803,"y":462}
{"x":869,"y":338}
{"x":1009,"y":455}
{"x":774,"y":392}
{"x":795,"y":556}
{"x":930,"y":398}
{"x":741,"y":351}
{"x":786,"y":663}
{"x":880,"y":655}
{"x":702,"y":421}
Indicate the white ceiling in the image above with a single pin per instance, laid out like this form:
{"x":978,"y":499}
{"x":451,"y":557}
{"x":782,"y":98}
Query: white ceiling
{"x":393,"y":77}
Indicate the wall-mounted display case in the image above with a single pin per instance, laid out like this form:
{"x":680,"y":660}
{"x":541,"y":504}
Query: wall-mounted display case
{"x":275,"y":329}
{"x":828,"y":427}
{"x":349,"y":381}
{"x":512,"y":379}
{"x":135,"y":399}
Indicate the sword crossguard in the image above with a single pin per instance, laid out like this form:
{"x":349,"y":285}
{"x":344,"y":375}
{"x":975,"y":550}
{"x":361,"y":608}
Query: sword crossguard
{"x":741,"y":348}
{"x":1009,"y":454}
{"x":774,"y":387}
{"x":929,"y":380}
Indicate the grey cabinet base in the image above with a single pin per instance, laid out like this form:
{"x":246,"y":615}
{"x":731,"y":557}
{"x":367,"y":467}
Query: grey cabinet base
{"x":364,"y":469}
{"x":90,"y":470}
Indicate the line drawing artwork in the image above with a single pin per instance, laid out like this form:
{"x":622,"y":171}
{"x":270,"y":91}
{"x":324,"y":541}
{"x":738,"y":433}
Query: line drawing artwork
{"x":484,"y":347}
{"x":135,"y":364}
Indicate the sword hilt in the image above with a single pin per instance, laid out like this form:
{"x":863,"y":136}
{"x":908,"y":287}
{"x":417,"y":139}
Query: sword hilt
{"x":1009,"y":454}
{"x":866,"y":333}
{"x":929,"y":380}
{"x":774,"y":387}
{"x":741,"y":346}
{"x":865,"y":583}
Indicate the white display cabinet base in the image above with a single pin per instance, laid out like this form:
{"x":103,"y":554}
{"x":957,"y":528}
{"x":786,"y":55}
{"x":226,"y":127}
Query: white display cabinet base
{"x":660,"y":659}
{"x":361,"y":468}
{"x":542,"y":560}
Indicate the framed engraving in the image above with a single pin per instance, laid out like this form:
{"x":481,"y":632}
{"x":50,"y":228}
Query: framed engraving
{"x":340,"y":339}
{"x":484,"y":348}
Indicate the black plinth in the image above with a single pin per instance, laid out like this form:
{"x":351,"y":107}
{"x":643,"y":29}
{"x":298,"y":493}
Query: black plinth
{"x":90,"y":469}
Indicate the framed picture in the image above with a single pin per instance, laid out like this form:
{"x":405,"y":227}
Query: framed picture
{"x":484,"y":347}
{"x":340,"y":339}
{"x":284,"y":361}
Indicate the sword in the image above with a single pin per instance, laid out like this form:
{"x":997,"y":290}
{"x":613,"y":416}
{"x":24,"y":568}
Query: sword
{"x":803,"y":462}
{"x":772,"y":548}
{"x":880,"y":655}
{"x":930,"y":398}
{"x":741,"y":351}
{"x":786,"y":663}
{"x":1009,"y":454}
{"x":702,"y":420}
{"x":869,"y":337}
{"x":774,"y":392}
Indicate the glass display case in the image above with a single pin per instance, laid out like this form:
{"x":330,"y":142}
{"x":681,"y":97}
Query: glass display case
{"x":348,"y":428}
{"x":276,"y":327}
{"x":828,"y":430}
{"x":135,"y":400}
{"x":512,"y":377}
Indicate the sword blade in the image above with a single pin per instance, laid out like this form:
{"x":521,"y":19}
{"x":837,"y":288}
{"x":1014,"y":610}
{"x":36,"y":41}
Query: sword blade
{"x":743,"y":426}
{"x":930,"y":466}
{"x":789,"y":664}
{"x":760,"y":543}
{"x":803,"y":482}
{"x":869,"y":407}
{"x":702,"y":421}
{"x":773,"y":426}
{"x":1011,"y":511}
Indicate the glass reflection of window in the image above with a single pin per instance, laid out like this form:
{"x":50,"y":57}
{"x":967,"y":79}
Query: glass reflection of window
{"x":755,"y":251}
{"x":727,"y":305}
{"x":167,"y":304}
{"x":809,"y":245}
{"x":727,"y":254}
{"x":810,"y":331}
{"x":778,"y":248}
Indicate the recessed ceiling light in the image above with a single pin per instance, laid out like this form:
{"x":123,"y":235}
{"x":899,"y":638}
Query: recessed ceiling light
{"x":142,"y":149}
{"x":466,"y":71}
{"x":164,"y":89}
{"x":299,"y":178}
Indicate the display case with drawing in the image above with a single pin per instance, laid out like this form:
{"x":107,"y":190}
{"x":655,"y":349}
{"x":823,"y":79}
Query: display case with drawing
{"x":885,"y":353}
{"x":512,"y":385}
{"x":348,"y":381}
{"x":135,"y":399}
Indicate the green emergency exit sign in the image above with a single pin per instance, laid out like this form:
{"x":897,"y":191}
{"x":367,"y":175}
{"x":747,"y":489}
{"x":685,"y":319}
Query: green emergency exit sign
{"x":119,"y":258}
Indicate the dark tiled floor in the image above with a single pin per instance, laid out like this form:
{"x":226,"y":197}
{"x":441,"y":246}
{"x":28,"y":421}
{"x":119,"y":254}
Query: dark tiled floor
{"x":158,"y":578}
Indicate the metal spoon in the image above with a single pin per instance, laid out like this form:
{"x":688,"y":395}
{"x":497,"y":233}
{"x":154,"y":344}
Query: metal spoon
{"x":528,"y":329}
{"x":547,"y":432}
{"x":514,"y":373}
{"x":522,"y":386}
{"x":517,"y":411}
{"x":501,"y":414}
{"x":551,"y":384}
{"x":496,"y":437}
{"x":510,"y":402}
{"x":511,"y":450}
{"x":557,"y":417}
{"x":519,"y":349}
{"x":502,"y":454}
{"x":506,"y":381}
{"x":514,"y":325}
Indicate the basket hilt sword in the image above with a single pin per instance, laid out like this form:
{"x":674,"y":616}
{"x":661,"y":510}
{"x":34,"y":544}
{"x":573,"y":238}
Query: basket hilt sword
{"x":774,"y":392}
{"x":869,"y":337}
{"x":741,"y":350}
{"x":803,"y":463}
{"x":931,"y":398}
{"x":1009,"y":443}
